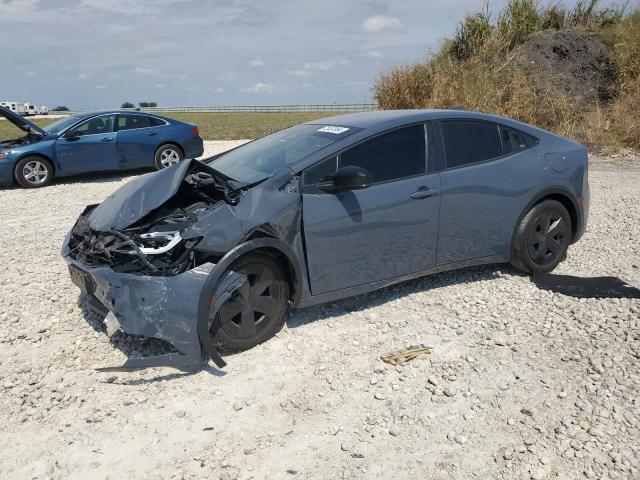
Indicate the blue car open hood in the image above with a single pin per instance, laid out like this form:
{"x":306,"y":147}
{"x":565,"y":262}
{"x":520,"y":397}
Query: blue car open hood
{"x":21,"y":122}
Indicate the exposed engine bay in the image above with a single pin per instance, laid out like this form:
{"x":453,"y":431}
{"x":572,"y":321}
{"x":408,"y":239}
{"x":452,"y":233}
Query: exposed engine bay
{"x":154,"y":245}
{"x":16,"y":142}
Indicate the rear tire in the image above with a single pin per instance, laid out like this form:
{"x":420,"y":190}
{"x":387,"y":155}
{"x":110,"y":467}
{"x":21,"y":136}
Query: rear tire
{"x":168,"y":155}
{"x":256,"y":311}
{"x":542,"y":238}
{"x":33,"y":172}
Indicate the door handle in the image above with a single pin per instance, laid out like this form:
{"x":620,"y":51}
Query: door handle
{"x":424,"y":192}
{"x":152,"y":133}
{"x":107,"y":139}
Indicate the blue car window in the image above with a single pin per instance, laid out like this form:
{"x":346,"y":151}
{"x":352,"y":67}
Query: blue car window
{"x":97,"y":125}
{"x":130,"y":122}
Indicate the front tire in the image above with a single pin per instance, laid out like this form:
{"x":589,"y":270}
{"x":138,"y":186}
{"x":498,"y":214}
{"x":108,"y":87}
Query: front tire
{"x":542,"y":238}
{"x":168,"y":155}
{"x":33,"y":172}
{"x":256,"y":311}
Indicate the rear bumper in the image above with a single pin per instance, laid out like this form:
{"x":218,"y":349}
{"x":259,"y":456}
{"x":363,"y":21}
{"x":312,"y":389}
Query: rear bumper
{"x":583,"y":212}
{"x":193,"y":147}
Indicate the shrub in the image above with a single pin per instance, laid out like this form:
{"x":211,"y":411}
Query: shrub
{"x":475,"y":69}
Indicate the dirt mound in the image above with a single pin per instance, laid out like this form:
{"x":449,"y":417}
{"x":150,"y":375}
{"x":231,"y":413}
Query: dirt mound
{"x":576,"y":62}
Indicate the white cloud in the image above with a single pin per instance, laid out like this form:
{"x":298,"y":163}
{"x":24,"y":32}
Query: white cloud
{"x":183,"y":77}
{"x":379,"y":23}
{"x":259,"y":87}
{"x":82,"y":76}
{"x":318,"y":66}
{"x":374,"y":54}
{"x":160,"y":85}
{"x":257,"y":62}
{"x":309,"y":67}
{"x":145,"y":71}
{"x":228,"y":77}
{"x":31,"y":74}
{"x":100,"y":87}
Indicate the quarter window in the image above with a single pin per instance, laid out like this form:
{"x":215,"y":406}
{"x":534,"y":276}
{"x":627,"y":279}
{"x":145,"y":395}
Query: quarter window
{"x":514,"y":140}
{"x":467,"y":142}
{"x":130,"y":122}
{"x":397,"y":154}
{"x":156,"y":122}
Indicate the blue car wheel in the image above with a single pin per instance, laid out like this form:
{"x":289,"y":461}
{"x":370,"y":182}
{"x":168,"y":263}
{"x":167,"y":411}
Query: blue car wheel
{"x":168,"y":155}
{"x":33,"y":172}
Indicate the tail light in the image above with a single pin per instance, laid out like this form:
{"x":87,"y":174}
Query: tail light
{"x":196,"y":131}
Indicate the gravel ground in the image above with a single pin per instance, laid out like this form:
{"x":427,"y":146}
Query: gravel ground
{"x":521,"y":383}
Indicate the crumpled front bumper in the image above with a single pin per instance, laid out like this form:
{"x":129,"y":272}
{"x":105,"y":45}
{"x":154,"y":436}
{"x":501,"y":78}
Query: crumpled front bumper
{"x":177,"y":309}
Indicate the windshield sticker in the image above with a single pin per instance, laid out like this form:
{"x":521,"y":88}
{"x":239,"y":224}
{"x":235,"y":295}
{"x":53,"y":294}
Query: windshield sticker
{"x":333,"y":129}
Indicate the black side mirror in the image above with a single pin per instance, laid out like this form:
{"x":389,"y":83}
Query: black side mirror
{"x":72,"y":135}
{"x":351,"y":178}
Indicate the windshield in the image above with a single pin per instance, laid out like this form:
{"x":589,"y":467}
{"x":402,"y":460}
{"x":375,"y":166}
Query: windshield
{"x":262,"y":158}
{"x":61,"y":124}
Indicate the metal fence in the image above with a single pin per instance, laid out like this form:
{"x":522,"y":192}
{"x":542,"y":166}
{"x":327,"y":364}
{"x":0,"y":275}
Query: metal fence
{"x":334,"y":107}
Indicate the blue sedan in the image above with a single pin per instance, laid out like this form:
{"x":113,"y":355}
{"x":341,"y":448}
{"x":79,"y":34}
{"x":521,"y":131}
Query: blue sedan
{"x":94,"y":142}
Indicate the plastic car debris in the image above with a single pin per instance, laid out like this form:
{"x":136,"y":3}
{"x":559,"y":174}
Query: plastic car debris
{"x":404,"y":355}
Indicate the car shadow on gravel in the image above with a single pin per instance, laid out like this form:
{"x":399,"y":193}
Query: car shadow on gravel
{"x":301,"y":317}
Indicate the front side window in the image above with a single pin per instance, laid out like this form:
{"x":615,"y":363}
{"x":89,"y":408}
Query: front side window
{"x":131,"y":122}
{"x":321,"y":172}
{"x":397,"y":154}
{"x":96,"y":125}
{"x":469,"y":141}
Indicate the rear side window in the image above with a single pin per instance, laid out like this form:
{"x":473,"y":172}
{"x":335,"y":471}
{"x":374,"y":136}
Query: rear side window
{"x":468,"y":141}
{"x":130,"y":122}
{"x":514,"y":140}
{"x":397,"y":154}
{"x":156,"y":122}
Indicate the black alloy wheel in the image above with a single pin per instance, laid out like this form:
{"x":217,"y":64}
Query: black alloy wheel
{"x":542,"y":238}
{"x":256,"y":311}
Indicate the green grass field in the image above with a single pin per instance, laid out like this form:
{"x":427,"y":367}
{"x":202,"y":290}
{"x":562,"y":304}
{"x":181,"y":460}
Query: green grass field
{"x":213,"y":126}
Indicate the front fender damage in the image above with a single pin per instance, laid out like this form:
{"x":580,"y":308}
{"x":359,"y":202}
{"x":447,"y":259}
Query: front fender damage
{"x":157,"y":262}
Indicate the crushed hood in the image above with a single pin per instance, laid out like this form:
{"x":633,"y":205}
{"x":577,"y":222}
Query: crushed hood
{"x":137,"y":198}
{"x":21,"y":122}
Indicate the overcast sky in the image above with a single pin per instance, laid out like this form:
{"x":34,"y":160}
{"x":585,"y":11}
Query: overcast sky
{"x":99,"y":53}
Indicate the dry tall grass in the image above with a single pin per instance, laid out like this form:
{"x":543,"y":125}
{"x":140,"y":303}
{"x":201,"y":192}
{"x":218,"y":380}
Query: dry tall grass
{"x":475,"y":70}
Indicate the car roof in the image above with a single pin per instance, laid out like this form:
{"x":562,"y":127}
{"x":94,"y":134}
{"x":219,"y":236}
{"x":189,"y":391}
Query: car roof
{"x":392,"y":118}
{"x":108,"y":112}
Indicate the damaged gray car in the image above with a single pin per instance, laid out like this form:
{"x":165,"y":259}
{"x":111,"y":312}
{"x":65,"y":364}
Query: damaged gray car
{"x":211,"y":254}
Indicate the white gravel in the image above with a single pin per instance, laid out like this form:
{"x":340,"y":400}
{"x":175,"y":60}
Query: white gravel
{"x":521,"y":383}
